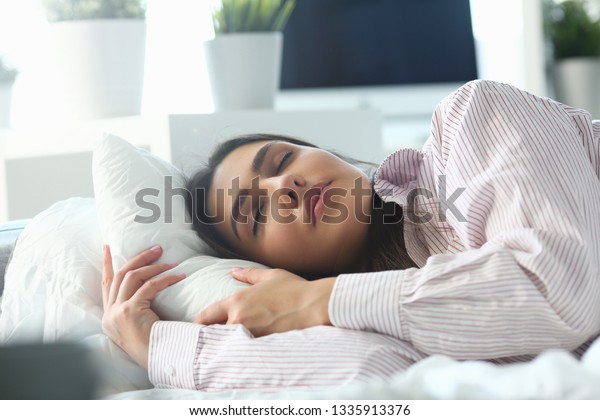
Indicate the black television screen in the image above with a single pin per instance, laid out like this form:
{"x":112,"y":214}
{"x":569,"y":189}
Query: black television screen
{"x":347,"y":43}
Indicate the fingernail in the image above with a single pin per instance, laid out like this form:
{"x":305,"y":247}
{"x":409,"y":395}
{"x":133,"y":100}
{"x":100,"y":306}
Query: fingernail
{"x":104,"y":247}
{"x":155,"y":248}
{"x":181,"y":275}
{"x":173,"y":265}
{"x":236,"y":269}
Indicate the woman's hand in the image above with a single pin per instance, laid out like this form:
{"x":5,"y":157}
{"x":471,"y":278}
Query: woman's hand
{"x":278,"y":301}
{"x":127,"y":296}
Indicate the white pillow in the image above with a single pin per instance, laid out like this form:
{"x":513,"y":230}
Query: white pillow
{"x":121,"y":173}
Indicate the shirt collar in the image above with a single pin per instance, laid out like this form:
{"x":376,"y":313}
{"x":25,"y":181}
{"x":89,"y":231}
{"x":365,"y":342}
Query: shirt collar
{"x":398,"y":175}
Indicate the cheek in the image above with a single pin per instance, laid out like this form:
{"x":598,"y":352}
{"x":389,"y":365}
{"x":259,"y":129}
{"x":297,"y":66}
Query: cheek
{"x":282,"y":238}
{"x":288,"y":246}
{"x":301,"y":242}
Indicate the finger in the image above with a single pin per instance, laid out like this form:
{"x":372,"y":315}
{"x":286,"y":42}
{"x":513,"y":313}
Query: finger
{"x":143,"y":258}
{"x":249,"y":275}
{"x":213,"y":314}
{"x":134,"y":279}
{"x":107,"y":274}
{"x":151,"y":288}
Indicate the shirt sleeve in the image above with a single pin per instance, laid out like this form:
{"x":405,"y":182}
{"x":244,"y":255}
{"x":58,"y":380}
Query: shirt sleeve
{"x":527,"y":279}
{"x":228,"y":357}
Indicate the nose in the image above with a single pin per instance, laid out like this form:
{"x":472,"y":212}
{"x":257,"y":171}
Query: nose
{"x":287,"y":190}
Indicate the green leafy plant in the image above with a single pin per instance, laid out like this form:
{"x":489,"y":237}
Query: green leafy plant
{"x":572,"y":29}
{"x":251,"y":15}
{"x":59,"y":10}
{"x":7,"y":72}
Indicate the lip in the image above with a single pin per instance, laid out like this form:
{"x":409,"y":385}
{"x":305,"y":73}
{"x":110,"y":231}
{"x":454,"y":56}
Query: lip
{"x":313,"y":201}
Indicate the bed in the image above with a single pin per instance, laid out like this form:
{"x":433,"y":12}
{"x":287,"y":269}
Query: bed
{"x":50,"y":273}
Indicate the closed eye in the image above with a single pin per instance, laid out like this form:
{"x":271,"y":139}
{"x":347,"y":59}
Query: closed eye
{"x":283,"y":161}
{"x":258,"y":217}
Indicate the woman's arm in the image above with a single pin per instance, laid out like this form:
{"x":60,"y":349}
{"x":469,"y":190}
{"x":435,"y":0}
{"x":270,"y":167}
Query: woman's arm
{"x":527,"y":279}
{"x":227,"y":357}
{"x":480,"y":304}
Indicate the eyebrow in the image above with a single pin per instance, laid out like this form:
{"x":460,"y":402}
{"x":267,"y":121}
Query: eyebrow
{"x":259,"y":158}
{"x":256,"y":167}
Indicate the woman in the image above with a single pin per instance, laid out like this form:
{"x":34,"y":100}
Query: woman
{"x":496,"y":255}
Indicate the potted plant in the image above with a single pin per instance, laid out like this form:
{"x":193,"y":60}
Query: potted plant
{"x":8,"y":74}
{"x":574,"y":34}
{"x":100,"y":53}
{"x":244,"y":58}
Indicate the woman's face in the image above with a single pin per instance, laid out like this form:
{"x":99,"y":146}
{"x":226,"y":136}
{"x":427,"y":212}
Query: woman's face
{"x":293,"y":207}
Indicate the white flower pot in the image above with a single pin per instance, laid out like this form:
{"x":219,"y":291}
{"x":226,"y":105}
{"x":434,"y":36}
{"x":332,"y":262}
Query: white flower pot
{"x":244,"y":69}
{"x":5,"y":101}
{"x":577,"y":83}
{"x":100,"y":66}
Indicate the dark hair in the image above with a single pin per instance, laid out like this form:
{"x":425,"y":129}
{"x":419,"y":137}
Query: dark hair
{"x":386,"y":249}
